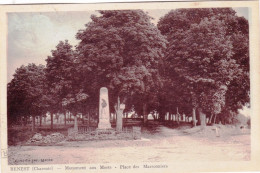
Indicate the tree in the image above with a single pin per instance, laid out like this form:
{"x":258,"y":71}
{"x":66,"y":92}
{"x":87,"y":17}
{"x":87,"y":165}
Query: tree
{"x":122,"y":49}
{"x":201,"y":52}
{"x":26,"y":92}
{"x":238,"y":93}
{"x":63,"y":80}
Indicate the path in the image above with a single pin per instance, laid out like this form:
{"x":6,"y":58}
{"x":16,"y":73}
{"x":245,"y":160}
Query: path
{"x":159,"y":145}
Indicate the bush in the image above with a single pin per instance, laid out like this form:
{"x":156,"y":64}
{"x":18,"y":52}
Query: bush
{"x":241,"y":119}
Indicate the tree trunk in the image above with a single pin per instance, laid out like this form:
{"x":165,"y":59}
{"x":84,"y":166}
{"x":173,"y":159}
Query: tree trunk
{"x":88,"y":119}
{"x":40,"y":120}
{"x":65,"y":118}
{"x":194,"y":117}
{"x":215,"y":119}
{"x":51,"y":120}
{"x":210,"y":119}
{"x":119,"y":115}
{"x":162,"y":117}
{"x":114,"y":118}
{"x":145,"y":113}
{"x":119,"y":120}
{"x":178,"y":116}
{"x":57,"y":118}
{"x":82,"y":119}
{"x":202,"y":118}
{"x":33,"y":123}
{"x":75,"y":123}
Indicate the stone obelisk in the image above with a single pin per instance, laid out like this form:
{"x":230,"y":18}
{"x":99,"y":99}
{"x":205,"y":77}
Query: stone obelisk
{"x":104,"y":122}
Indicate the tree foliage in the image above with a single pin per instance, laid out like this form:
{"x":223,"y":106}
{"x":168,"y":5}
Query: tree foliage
{"x":63,"y":78}
{"x":194,"y":58}
{"x":205,"y":53}
{"x":122,"y":50}
{"x":26,"y":92}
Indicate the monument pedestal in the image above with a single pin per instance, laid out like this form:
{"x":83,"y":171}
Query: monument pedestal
{"x":104,"y":124}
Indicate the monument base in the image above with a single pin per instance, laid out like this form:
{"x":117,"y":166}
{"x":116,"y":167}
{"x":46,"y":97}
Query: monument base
{"x":104,"y":124}
{"x":106,"y":134}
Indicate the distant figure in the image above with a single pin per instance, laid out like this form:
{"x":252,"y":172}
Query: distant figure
{"x":103,"y":110}
{"x":242,"y":128}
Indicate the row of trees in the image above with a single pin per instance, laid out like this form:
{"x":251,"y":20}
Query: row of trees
{"x":196,"y":60}
{"x":206,"y":61}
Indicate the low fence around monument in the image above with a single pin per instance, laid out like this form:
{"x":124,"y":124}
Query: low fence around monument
{"x":129,"y":122}
{"x":81,"y":129}
{"x":92,"y":133}
{"x":127,"y":126}
{"x":86,"y":129}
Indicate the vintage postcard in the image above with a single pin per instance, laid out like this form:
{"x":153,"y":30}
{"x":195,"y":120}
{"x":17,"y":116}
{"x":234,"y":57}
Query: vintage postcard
{"x":130,"y":87}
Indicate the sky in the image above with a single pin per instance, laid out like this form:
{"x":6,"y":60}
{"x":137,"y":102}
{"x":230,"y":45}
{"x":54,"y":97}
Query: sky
{"x":32,"y":36}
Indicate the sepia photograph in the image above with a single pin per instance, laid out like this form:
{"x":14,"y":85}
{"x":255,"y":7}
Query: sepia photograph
{"x":136,"y":87}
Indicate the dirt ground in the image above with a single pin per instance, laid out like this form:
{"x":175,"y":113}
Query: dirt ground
{"x":159,"y":144}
